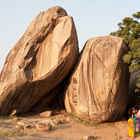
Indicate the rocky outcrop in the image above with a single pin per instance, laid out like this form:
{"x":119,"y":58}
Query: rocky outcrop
{"x":39,"y":61}
{"x":98,"y":88}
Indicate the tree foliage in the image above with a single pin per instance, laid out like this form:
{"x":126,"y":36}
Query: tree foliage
{"x":129,"y":30}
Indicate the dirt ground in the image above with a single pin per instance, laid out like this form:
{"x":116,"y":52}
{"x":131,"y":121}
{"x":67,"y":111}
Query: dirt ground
{"x":70,"y":129}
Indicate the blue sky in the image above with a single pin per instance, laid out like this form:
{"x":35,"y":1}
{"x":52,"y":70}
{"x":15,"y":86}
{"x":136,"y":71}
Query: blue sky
{"x":92,"y":18}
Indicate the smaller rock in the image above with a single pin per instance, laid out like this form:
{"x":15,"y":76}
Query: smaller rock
{"x":65,"y":120}
{"x":14,"y":112}
{"x":43,"y":126}
{"x":31,"y":124}
{"x":21,"y":124}
{"x":56,"y":121}
{"x":17,"y":127}
{"x":68,"y":119}
{"x":52,"y":122}
{"x":88,"y":138}
{"x":15,"y":119}
{"x":27,"y":126}
{"x":46,"y":114}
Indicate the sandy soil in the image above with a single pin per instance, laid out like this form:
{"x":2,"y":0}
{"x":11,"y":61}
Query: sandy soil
{"x":70,"y":129}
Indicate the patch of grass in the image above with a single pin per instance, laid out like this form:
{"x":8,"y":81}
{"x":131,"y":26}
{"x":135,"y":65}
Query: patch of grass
{"x":8,"y":132}
{"x":70,"y":114}
{"x":116,"y":137}
{"x":80,"y":120}
{"x":7,"y":117}
{"x":111,"y":123}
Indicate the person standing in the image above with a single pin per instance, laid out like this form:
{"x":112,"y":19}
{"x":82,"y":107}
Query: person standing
{"x":131,"y":127}
{"x":136,"y":112}
{"x":135,"y":121}
{"x":138,"y":120}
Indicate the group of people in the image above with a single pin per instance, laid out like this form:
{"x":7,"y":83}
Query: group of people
{"x":133,"y":121}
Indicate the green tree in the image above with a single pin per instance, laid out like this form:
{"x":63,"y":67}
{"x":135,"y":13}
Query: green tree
{"x":129,"y":30}
{"x":136,"y":15}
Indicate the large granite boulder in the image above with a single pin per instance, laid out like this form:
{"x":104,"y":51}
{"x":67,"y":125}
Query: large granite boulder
{"x":39,"y":61}
{"x":98,"y":88}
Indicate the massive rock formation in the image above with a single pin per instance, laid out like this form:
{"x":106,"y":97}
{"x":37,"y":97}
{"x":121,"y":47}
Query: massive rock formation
{"x":98,"y":88}
{"x":39,"y":61}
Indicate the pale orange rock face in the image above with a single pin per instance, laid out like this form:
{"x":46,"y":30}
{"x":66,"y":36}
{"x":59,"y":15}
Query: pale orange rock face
{"x":39,"y":61}
{"x":98,"y":88}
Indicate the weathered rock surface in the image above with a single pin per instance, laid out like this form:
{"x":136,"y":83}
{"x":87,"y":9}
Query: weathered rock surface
{"x":46,"y":114}
{"x":14,"y":112}
{"x":47,"y":124}
{"x":43,"y":126}
{"x":52,"y":122}
{"x":98,"y":88}
{"x":39,"y":61}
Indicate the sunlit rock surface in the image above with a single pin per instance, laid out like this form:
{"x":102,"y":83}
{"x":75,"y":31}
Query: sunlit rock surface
{"x":39,"y":61}
{"x":98,"y":88}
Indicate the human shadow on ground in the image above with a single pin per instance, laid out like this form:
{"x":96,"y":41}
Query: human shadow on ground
{"x":137,"y":134}
{"x":96,"y":138}
{"x":61,"y":126}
